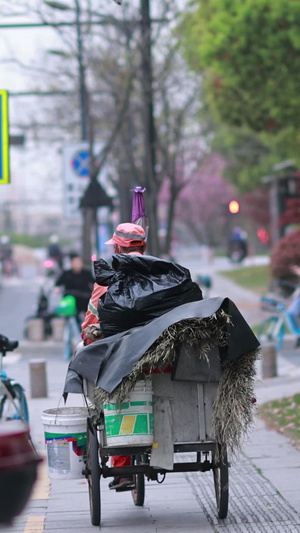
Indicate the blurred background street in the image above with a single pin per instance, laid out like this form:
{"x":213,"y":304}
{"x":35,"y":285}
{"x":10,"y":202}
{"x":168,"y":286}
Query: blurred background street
{"x":264,"y":484}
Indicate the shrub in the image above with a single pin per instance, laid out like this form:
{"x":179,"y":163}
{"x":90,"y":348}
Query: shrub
{"x":286,"y":254}
{"x":33,"y":241}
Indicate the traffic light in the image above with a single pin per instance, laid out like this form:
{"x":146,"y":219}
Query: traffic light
{"x":233,"y":207}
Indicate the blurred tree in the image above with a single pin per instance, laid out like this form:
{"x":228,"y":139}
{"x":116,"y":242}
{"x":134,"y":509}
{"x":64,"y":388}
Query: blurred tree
{"x":112,"y":60}
{"x":203,"y":206}
{"x":286,"y":254}
{"x":256,"y":206}
{"x":179,"y":141}
{"x":249,"y":55}
{"x":291,"y":215}
{"x":250,"y":155}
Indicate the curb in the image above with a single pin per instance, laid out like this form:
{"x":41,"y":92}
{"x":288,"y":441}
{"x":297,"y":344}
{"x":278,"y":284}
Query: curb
{"x":40,"y":348}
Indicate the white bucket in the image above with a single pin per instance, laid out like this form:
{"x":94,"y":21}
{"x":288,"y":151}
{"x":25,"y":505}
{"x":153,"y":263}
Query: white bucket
{"x":131,"y":423}
{"x":65,"y":437}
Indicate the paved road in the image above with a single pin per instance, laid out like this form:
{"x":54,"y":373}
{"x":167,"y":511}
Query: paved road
{"x":18,"y":299}
{"x":264,"y":479}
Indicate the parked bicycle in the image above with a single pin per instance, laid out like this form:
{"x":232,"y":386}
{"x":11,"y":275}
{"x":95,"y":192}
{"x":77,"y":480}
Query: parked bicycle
{"x":13,"y":403}
{"x":279,"y":322}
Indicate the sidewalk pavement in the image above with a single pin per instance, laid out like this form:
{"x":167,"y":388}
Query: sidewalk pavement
{"x":264,"y":478}
{"x":269,"y":451}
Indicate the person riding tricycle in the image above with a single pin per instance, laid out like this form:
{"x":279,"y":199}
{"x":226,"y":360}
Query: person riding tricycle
{"x":160,"y":284}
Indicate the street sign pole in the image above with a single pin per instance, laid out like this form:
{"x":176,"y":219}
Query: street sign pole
{"x":76,"y":169}
{"x":4,"y":139}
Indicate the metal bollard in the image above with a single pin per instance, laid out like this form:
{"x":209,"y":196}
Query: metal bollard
{"x":58,"y":326}
{"x":35,"y":328}
{"x":269,"y":359}
{"x":38,"y":378}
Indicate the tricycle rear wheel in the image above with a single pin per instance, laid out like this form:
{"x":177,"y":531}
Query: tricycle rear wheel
{"x":93,"y":474}
{"x":138,"y":493}
{"x":221,"y":481}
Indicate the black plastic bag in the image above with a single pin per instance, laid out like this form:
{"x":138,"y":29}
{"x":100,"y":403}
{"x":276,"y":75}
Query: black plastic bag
{"x":141,"y":288}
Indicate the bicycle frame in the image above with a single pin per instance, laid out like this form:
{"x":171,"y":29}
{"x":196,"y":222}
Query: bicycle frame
{"x":72,"y":336}
{"x":274,"y":328}
{"x":280,"y":322}
{"x":4,"y":390}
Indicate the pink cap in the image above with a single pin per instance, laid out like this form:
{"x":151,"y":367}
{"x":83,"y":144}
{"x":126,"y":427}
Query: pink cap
{"x":127,"y":235}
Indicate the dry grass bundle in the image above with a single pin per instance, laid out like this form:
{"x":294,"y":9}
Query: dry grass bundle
{"x":233,"y":408}
{"x":205,"y":333}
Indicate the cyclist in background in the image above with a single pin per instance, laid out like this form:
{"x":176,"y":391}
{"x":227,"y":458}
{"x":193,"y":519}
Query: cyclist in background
{"x":238,"y":245}
{"x":78,"y":282}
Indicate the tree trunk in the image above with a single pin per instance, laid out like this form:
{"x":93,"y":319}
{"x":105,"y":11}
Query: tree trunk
{"x":170,"y":222}
{"x":151,"y":211}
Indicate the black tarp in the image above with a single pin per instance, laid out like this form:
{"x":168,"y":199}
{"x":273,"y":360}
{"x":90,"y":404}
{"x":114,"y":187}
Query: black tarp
{"x":106,"y":362}
{"x":141,"y":288}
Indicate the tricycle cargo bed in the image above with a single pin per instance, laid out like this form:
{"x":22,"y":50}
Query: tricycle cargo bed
{"x":189,"y":404}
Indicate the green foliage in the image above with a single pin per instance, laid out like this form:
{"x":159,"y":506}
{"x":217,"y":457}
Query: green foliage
{"x":33,"y":241}
{"x":250,"y":155}
{"x":285,"y":255}
{"x":249,"y":54}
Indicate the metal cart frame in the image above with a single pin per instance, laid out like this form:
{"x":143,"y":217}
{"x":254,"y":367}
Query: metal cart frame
{"x":183,"y":406}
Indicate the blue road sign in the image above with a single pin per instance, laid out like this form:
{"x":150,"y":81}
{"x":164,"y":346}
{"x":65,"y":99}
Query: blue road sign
{"x":81,"y":163}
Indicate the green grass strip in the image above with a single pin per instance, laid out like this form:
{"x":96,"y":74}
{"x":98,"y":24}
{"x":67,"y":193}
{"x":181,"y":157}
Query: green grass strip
{"x":255,"y":278}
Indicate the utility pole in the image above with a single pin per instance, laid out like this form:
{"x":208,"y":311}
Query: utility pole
{"x":89,"y":214}
{"x":149,"y":128}
{"x":82,"y":83}
{"x":274,"y":212}
{"x":274,"y":181}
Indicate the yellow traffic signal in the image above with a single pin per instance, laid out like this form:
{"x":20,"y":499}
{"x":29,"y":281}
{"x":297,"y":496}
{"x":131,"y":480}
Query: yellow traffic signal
{"x":233,"y":207}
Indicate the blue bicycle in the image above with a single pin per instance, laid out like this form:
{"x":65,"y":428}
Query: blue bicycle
{"x":72,"y":332}
{"x":278,"y":324}
{"x":13,"y":403}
